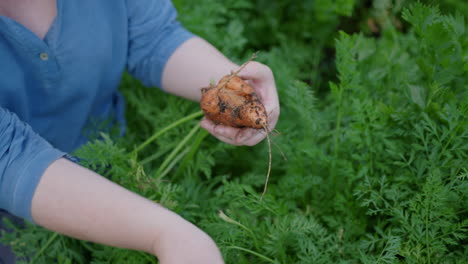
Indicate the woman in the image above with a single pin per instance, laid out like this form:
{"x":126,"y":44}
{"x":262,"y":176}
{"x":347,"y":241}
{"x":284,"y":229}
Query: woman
{"x":60,"y":65}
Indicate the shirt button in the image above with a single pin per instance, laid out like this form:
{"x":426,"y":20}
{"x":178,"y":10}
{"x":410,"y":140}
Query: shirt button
{"x":44,"y":56}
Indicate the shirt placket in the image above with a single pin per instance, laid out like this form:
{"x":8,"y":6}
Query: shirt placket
{"x":38,"y":52}
{"x":48,"y":66}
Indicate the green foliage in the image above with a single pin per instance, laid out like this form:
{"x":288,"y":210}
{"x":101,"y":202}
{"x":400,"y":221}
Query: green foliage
{"x":377,"y":156}
{"x":303,"y":29}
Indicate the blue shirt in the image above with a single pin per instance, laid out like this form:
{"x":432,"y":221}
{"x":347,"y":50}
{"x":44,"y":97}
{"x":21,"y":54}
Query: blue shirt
{"x":54,"y":91}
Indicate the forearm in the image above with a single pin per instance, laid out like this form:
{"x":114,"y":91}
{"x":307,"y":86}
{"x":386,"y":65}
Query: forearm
{"x":192,"y":66}
{"x":77,"y":202}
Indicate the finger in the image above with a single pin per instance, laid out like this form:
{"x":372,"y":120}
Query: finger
{"x":226,"y":140}
{"x":222,"y":130}
{"x":233,"y":136}
{"x":260,"y":134}
{"x":256,"y":71}
{"x":256,"y":138}
{"x":273,"y":117}
{"x":262,"y":80}
{"x":223,"y":133}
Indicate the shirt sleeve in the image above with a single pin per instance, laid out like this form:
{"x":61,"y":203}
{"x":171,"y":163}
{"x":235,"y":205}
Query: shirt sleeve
{"x":154,"y":34}
{"x":24,"y":156}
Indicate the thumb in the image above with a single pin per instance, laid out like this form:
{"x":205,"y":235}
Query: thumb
{"x":256,"y":71}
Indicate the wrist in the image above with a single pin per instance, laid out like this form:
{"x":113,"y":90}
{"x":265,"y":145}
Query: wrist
{"x":180,"y":241}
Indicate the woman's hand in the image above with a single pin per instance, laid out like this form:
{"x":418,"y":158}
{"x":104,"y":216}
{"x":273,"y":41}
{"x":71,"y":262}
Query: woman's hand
{"x":196,"y":62}
{"x":262,"y":80}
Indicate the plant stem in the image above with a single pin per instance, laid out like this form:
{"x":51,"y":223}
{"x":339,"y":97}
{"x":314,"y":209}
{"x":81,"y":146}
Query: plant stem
{"x":252,"y":252}
{"x":228,"y":219}
{"x":269,"y":164}
{"x":196,"y":144}
{"x":174,"y":152}
{"x":173,"y":163}
{"x":167,"y":128}
{"x":41,"y":251}
{"x":152,"y":157}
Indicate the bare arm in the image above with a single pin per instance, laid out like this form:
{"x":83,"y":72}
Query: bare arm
{"x":77,"y":202}
{"x":192,"y":66}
